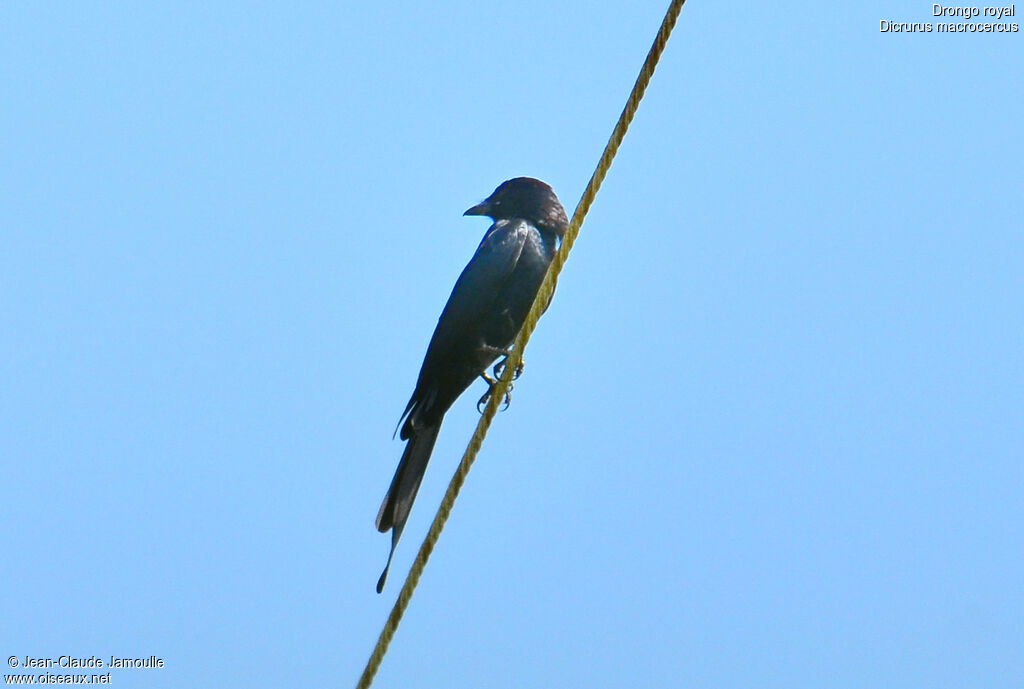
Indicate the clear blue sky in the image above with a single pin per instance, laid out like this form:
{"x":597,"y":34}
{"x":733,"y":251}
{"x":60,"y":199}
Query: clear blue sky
{"x":770,"y":432}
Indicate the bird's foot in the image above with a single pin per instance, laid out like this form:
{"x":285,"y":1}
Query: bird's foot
{"x":491,"y":382}
{"x":499,"y":368}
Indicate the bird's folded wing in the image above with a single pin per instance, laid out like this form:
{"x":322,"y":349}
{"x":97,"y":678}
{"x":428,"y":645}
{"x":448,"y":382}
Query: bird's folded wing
{"x":478,"y":285}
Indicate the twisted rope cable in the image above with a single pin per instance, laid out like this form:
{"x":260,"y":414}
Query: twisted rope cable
{"x":544,"y":294}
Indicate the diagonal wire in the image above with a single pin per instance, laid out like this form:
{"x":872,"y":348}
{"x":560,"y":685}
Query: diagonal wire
{"x":544,"y":294}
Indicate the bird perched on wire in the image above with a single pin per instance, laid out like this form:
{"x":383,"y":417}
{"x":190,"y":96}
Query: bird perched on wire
{"x":479,"y":323}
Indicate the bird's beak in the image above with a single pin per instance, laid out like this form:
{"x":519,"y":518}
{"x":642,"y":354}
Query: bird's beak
{"x":479,"y":209}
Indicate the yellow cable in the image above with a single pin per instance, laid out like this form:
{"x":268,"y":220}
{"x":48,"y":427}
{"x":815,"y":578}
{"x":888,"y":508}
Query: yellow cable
{"x":547,"y":288}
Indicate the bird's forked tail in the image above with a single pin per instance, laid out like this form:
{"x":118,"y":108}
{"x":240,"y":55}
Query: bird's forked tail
{"x":394,"y":511}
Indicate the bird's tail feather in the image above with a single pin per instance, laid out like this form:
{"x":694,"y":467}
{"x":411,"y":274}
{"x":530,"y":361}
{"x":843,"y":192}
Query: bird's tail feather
{"x":394,"y":511}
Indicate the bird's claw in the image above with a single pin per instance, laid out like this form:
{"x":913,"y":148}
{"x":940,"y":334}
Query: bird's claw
{"x":491,"y":382}
{"x":499,"y":368}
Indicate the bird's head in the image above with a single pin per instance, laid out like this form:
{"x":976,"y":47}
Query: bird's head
{"x":526,"y":198}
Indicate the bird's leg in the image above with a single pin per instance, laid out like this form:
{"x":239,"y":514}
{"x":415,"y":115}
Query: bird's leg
{"x":493,"y":380}
{"x":499,"y":367}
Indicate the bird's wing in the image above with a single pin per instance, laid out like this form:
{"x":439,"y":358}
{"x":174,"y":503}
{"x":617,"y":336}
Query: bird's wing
{"x":477,"y":287}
